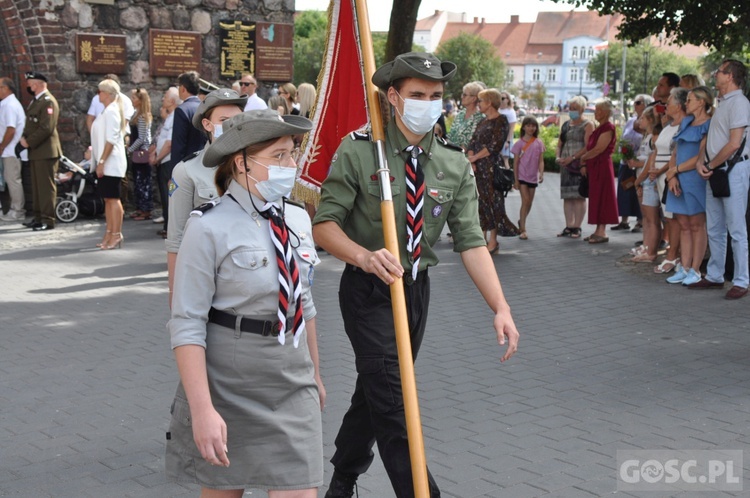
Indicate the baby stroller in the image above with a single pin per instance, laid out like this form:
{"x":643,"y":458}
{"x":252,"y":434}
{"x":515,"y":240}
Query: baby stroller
{"x":78,"y":188}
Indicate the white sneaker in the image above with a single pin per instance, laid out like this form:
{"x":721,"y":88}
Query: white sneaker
{"x":160,"y":219}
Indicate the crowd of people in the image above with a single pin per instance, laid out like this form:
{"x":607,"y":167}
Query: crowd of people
{"x":241,"y":255}
{"x":685,"y":181}
{"x":137,"y":152}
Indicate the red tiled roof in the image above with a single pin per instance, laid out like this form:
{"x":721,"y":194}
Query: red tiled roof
{"x":542,"y":41}
{"x":554,"y":27}
{"x":511,"y":41}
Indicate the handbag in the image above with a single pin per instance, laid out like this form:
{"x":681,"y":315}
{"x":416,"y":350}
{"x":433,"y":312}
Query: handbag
{"x":628,"y":183}
{"x":583,"y":187}
{"x":574,"y":168}
{"x":140,"y":156}
{"x":502,"y":178}
{"x":719,"y":182}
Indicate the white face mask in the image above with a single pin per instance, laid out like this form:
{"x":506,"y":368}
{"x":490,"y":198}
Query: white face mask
{"x":279,"y":184}
{"x":420,"y":116}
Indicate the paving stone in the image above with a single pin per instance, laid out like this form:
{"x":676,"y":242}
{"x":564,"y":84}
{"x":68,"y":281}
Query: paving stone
{"x":611,"y":358}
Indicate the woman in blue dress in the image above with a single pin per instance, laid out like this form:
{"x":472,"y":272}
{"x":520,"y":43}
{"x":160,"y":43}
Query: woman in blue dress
{"x":686,"y":197}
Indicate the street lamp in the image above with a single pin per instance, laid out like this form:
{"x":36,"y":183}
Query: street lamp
{"x":579,"y":72}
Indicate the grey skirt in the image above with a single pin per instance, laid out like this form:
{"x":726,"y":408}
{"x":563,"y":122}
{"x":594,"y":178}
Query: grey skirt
{"x":267,"y":395}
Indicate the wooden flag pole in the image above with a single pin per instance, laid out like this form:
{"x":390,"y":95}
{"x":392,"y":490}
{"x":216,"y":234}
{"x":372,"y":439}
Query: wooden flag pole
{"x":403,"y":339}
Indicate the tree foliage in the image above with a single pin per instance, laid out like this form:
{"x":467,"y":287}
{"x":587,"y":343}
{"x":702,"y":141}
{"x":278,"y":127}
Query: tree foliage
{"x":721,"y":24}
{"x":643,"y":67}
{"x":309,"y":45}
{"x":476,"y":60}
{"x":310,"y":28}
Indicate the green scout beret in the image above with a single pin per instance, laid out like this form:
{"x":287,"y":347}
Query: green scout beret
{"x":419,"y":65}
{"x":222,"y":96}
{"x":252,"y":127}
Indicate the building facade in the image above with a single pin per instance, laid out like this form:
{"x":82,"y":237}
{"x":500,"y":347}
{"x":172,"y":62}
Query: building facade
{"x":554,"y":51}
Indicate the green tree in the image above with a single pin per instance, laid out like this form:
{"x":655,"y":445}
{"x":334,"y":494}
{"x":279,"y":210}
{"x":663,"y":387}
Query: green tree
{"x":643,"y":67}
{"x":309,"y":45}
{"x":476,"y":60}
{"x":721,"y":24}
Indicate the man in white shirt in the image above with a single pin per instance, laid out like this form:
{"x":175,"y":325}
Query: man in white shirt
{"x":161,"y":152}
{"x":248,"y":85}
{"x":12,"y":122}
{"x":97,"y":107}
{"x":727,"y":151}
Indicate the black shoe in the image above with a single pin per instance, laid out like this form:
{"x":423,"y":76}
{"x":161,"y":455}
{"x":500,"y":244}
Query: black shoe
{"x":42,"y":227}
{"x":621,"y":226}
{"x":163,"y":233}
{"x":342,"y":485}
{"x":31,"y":224}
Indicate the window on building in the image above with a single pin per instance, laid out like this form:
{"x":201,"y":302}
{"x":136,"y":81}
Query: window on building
{"x":574,"y":74}
{"x":575,"y":53}
{"x":510,"y":75}
{"x":536,"y":74}
{"x":591,"y":53}
{"x":589,"y":77}
{"x":552,"y":75}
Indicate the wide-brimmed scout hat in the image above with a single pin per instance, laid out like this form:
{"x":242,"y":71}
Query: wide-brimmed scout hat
{"x":252,"y":127}
{"x":413,"y":65}
{"x":215,"y":98}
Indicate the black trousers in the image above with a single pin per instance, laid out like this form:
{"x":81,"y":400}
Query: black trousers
{"x":376,"y":413}
{"x":164,"y":175}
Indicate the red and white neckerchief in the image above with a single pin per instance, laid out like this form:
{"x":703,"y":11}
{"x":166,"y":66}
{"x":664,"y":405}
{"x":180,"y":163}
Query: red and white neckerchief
{"x":414,"y":204}
{"x":288,"y":273}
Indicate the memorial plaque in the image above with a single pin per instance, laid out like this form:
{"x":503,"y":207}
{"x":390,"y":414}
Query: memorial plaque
{"x":100,"y":53}
{"x":237,"y":46}
{"x":274,"y":51}
{"x":173,"y":52}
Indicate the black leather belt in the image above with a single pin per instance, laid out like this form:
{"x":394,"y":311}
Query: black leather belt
{"x":229,"y":320}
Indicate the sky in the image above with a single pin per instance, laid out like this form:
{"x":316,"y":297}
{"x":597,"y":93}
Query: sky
{"x":491,"y":10}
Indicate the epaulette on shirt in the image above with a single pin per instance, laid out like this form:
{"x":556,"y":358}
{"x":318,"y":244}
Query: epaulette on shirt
{"x":289,"y":202}
{"x":205,"y":207}
{"x":192,"y":156}
{"x":356,"y":135}
{"x":446,"y":143}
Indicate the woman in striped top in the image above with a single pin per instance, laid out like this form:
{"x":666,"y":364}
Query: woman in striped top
{"x":140,"y":141}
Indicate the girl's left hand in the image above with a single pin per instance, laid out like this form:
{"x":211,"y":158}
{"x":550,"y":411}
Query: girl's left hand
{"x":321,"y":392}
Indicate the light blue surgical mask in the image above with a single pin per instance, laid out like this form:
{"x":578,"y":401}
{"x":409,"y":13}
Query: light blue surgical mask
{"x":218,"y":130}
{"x":279,"y":184}
{"x":574,"y":115}
{"x":420,"y":116}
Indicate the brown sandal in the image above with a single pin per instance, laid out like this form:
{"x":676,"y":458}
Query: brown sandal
{"x":597,"y":239}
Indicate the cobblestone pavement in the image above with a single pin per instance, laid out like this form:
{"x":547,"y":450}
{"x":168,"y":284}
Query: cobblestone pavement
{"x":611,"y":358}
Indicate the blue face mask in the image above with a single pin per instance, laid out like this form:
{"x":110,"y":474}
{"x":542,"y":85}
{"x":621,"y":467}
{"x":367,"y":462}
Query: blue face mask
{"x":279,"y":184}
{"x":218,"y":130}
{"x":574,"y":115}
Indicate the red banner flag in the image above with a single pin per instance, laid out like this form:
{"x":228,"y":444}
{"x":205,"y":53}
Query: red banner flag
{"x":341,"y":103}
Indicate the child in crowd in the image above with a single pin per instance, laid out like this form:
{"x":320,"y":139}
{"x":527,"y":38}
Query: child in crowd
{"x":528,"y":167}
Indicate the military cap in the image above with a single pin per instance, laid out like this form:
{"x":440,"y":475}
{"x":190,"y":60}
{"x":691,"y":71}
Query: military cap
{"x":252,"y":127}
{"x":222,"y":96}
{"x":33,"y":75}
{"x":413,"y":65}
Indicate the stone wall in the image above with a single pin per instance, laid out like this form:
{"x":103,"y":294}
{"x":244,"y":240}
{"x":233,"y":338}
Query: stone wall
{"x":40,"y":35}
